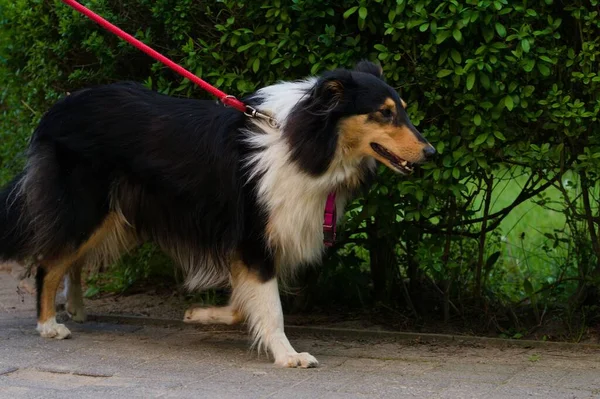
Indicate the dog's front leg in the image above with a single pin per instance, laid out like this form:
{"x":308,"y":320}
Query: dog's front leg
{"x":259,"y":301}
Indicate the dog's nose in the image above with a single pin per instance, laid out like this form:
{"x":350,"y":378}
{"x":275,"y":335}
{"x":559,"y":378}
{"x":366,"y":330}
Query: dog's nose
{"x":429,"y":151}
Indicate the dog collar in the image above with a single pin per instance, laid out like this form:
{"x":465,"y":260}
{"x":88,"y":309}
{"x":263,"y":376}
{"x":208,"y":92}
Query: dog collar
{"x":329,"y":221}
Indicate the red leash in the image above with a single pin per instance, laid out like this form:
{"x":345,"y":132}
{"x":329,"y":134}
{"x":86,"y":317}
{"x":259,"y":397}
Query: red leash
{"x":223,"y":97}
{"x":329,"y":230}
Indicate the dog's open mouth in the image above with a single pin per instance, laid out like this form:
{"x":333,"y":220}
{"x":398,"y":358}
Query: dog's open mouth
{"x":398,"y":163}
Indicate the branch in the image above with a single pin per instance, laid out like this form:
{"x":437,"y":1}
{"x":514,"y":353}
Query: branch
{"x":549,"y":286}
{"x":522,"y":197}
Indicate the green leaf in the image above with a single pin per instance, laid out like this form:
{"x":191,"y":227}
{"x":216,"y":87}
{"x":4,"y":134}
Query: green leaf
{"x":484,"y":80}
{"x":419,"y":195}
{"x":443,"y":73}
{"x":315,"y":68}
{"x":544,"y":69}
{"x":499,"y":135}
{"x":433,"y":27}
{"x":440,"y":147}
{"x":349,"y":12}
{"x":477,"y":120}
{"x":528,"y":65}
{"x":525,"y":45}
{"x":392,"y":15}
{"x":91,"y":291}
{"x":245,"y":47}
{"x":471,"y":81}
{"x":456,"y":173}
{"x":256,"y":65}
{"x":457,"y":35}
{"x":480,"y":139}
{"x":441,"y":36}
{"x":455,"y":55}
{"x":528,"y":90}
{"x":381,"y":47}
{"x":531,"y":12}
{"x":509,"y":103}
{"x":362,"y":12}
{"x":500,"y":29}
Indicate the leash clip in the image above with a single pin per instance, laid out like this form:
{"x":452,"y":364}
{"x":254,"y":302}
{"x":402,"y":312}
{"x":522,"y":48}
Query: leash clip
{"x":252,"y":112}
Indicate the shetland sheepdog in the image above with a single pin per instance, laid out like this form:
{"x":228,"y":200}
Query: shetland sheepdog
{"x":236,"y":201}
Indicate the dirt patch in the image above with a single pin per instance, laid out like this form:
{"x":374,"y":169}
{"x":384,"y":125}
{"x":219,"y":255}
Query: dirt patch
{"x":152,"y":305}
{"x":163,"y":303}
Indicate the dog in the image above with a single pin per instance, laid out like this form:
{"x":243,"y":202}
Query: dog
{"x":236,"y":201}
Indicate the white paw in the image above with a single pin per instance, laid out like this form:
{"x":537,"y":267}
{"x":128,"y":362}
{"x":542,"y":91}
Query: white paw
{"x":304,"y":360}
{"x":77,"y":313}
{"x":51,"y":329}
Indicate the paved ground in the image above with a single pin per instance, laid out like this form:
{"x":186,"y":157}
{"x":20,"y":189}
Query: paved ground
{"x":114,"y":361}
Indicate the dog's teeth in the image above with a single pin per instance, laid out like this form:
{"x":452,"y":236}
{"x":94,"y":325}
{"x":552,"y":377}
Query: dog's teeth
{"x":403,"y":163}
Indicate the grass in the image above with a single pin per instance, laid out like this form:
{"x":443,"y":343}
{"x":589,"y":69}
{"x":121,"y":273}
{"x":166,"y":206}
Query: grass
{"x":527,"y":251}
{"x":524,"y":242}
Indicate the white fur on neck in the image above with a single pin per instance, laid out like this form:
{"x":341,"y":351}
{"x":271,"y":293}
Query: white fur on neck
{"x":294,"y":200}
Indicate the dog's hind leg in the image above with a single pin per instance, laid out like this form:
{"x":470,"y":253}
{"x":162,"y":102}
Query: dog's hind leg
{"x":259,"y":302}
{"x":213,"y":315}
{"x":52,"y":271}
{"x":74,"y":305}
{"x":47,"y":281}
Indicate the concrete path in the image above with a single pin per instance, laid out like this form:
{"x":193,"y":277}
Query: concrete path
{"x":127,"y":361}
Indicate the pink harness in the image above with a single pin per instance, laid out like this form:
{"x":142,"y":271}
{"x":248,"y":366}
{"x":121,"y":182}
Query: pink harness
{"x":329,"y":221}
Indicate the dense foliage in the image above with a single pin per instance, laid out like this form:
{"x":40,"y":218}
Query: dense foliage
{"x":506,"y":218}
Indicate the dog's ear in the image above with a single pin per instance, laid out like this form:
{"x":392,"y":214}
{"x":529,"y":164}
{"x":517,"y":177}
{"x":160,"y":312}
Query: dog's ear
{"x":311,"y":126}
{"x":369,"y":67}
{"x":329,"y":92}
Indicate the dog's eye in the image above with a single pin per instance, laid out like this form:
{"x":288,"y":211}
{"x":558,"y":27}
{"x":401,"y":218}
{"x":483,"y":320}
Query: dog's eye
{"x":386,"y":113}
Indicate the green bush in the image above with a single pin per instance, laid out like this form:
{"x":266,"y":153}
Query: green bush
{"x":508,"y":93}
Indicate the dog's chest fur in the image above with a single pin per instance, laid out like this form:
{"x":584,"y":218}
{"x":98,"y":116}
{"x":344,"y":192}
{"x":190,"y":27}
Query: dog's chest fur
{"x":295,"y":201}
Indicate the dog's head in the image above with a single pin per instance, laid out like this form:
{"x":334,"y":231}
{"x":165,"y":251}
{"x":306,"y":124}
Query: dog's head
{"x":357,"y":114}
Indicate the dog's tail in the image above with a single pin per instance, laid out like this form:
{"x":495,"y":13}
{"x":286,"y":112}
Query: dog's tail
{"x":35,"y":209}
{"x":15,"y":226}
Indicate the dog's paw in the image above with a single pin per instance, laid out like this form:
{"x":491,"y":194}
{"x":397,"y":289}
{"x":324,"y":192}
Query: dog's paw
{"x":303,"y":360}
{"x":197,"y":315}
{"x":51,"y":329}
{"x":212,"y":315}
{"x":77,"y":313}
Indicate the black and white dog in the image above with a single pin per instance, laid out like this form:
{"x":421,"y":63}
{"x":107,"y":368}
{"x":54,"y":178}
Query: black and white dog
{"x":234,"y":200}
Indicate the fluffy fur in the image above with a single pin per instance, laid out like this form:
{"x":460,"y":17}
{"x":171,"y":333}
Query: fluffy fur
{"x":235,"y":201}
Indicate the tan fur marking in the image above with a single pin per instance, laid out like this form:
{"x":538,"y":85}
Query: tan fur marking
{"x":358,"y":132}
{"x":389,"y":104}
{"x":56,"y":268}
{"x":404,"y":105}
{"x":241,"y":273}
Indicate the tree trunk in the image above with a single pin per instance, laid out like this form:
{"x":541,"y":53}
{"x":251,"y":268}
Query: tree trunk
{"x":486,"y":212}
{"x":383,"y":262}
